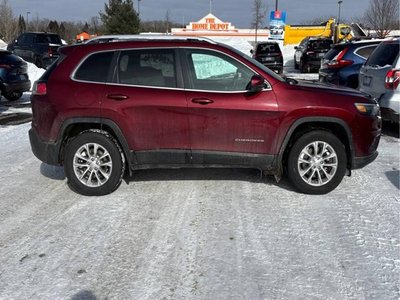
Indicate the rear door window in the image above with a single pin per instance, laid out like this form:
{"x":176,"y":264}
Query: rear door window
{"x":147,"y":67}
{"x":385,"y":54}
{"x":95,"y":68}
{"x":320,"y":45}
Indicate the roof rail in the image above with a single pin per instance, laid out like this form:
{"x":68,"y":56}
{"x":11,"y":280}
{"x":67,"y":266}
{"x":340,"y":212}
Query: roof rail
{"x":145,"y":37}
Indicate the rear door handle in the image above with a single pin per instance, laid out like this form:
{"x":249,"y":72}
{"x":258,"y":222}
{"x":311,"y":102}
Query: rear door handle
{"x":202,"y":101}
{"x":118,"y":97}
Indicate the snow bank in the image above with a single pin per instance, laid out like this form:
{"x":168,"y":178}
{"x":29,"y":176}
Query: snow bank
{"x":34,"y":73}
{"x":3,"y":44}
{"x":239,"y":44}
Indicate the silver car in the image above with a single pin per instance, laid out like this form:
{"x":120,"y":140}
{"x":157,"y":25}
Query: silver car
{"x":380,"y":78}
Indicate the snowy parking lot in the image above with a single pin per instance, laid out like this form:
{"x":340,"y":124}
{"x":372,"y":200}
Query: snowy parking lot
{"x":195,"y":234}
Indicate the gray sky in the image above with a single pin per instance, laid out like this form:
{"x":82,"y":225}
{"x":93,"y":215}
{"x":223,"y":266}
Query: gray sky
{"x":238,"y":12}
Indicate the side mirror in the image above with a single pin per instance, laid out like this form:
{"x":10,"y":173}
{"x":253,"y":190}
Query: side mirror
{"x":256,"y":84}
{"x":251,"y":51}
{"x":296,"y":47}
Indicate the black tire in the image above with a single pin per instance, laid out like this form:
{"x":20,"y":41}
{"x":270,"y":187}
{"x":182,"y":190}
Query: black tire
{"x":296,"y":65}
{"x":113,"y":171}
{"x":13,"y":96}
{"x":318,"y":168}
{"x":303,"y":67}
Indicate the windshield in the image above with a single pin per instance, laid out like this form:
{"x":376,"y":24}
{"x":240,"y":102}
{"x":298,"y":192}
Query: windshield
{"x":254,"y":62}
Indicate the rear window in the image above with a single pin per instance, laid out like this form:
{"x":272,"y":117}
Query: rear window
{"x":95,"y":68}
{"x":320,"y":44}
{"x":268,"y":48}
{"x":331,"y":54}
{"x":48,"y":38}
{"x":384,"y":54}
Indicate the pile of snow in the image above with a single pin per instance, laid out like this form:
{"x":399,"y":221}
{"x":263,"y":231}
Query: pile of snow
{"x":237,"y":43}
{"x":3,"y":45}
{"x":34,"y":73}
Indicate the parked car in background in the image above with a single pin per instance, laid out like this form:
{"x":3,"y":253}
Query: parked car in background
{"x":270,"y":55}
{"x":380,"y":78}
{"x":191,"y":102}
{"x":309,"y":53}
{"x":342,"y":64}
{"x":14,"y":78}
{"x":39,"y":48}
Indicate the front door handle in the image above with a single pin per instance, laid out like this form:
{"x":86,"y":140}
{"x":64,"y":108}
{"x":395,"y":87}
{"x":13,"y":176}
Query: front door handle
{"x":118,"y":97}
{"x":202,"y":101}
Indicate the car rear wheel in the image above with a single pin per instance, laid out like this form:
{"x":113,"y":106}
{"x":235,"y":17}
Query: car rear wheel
{"x":13,"y":96}
{"x":303,"y":67}
{"x":94,"y":163}
{"x":317,"y":162}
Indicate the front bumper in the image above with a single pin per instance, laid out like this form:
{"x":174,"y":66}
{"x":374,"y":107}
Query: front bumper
{"x":47,"y":152}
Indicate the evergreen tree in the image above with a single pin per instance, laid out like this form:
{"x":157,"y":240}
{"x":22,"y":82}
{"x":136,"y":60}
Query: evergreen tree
{"x":53,"y":27}
{"x":21,"y":24}
{"x":120,"y":17}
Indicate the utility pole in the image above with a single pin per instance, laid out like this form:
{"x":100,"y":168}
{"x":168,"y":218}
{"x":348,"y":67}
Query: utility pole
{"x":138,"y":7}
{"x":338,"y":19}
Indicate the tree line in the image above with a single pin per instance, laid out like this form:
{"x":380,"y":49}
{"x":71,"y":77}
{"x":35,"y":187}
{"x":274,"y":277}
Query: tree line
{"x":120,"y":17}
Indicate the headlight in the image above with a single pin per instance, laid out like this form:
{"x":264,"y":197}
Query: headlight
{"x":368,"y":109}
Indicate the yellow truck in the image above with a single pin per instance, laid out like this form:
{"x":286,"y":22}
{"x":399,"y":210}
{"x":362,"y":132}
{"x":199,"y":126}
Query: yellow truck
{"x":294,"y":34}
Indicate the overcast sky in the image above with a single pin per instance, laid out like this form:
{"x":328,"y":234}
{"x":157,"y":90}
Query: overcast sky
{"x":238,"y":12}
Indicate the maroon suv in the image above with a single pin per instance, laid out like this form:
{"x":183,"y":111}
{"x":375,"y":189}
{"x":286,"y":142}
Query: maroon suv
{"x":158,"y":103}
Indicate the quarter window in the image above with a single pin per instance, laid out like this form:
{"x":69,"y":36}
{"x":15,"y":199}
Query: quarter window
{"x":217,"y":72}
{"x":365,"y":51}
{"x":95,"y":68}
{"x":147,"y":68}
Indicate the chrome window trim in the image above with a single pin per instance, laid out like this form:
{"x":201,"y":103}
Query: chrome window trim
{"x":268,"y":88}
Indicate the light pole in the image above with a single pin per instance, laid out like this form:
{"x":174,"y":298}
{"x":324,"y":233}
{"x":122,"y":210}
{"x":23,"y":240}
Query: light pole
{"x":27,"y":21}
{"x":138,"y":7}
{"x":276,"y":5}
{"x":338,"y":19}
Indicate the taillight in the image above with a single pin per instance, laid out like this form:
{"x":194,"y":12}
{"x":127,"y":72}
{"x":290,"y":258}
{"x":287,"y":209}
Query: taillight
{"x":50,"y":51}
{"x":39,"y":88}
{"x":5,"y":66}
{"x":392,"y":79}
{"x":339,"y":62}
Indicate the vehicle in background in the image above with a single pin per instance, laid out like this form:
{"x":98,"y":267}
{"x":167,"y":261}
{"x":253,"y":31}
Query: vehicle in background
{"x":309,"y":53}
{"x":380,"y":78}
{"x":39,"y":48}
{"x":14,"y":78}
{"x":270,"y":55}
{"x":179,"y":103}
{"x":294,"y":34}
{"x":341,"y":65}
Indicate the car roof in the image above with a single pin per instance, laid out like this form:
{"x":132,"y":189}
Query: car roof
{"x":145,"y":37}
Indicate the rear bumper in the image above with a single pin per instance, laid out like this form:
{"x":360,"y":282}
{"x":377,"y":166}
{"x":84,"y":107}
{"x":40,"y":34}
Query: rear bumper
{"x":45,"y":151}
{"x":18,"y":86}
{"x":360,"y":162}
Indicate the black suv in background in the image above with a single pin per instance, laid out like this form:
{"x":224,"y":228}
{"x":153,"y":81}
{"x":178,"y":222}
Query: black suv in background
{"x":309,"y":53}
{"x":270,"y":55}
{"x":39,"y":48}
{"x":14,"y":79}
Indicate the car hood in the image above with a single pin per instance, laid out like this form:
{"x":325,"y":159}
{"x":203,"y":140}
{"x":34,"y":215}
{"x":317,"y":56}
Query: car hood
{"x":328,"y":88}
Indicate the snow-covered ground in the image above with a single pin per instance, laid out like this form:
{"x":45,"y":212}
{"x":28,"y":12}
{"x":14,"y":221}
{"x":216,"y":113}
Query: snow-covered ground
{"x":196,"y":234}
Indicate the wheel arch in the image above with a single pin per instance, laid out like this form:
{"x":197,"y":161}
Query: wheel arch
{"x":72,"y":127}
{"x":334,"y":125}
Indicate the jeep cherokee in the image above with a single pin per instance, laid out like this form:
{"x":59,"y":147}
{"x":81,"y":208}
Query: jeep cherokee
{"x":135,"y":104}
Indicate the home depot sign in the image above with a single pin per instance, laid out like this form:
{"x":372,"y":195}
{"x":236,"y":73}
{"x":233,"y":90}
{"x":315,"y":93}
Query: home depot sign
{"x":210,"y":23}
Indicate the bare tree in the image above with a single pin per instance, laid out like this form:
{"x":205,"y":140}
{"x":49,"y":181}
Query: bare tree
{"x":382,"y":16}
{"x":8,"y":24}
{"x":259,"y":14}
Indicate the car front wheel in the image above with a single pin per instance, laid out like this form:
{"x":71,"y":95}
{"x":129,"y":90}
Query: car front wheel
{"x":317,"y":162}
{"x":94,"y":163}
